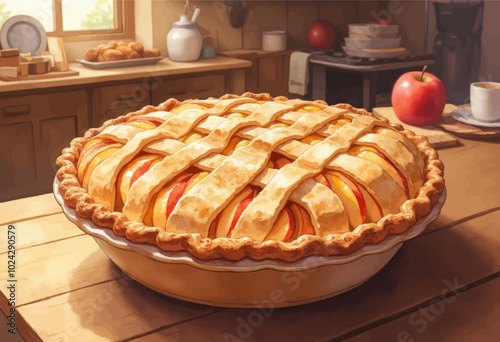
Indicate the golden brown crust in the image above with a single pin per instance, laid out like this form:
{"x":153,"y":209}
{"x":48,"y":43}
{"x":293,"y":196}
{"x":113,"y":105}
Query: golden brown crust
{"x":91,"y":55}
{"x":235,"y":249}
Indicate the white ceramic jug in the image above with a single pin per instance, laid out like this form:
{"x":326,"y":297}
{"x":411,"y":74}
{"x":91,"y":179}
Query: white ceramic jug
{"x":184,"y":40}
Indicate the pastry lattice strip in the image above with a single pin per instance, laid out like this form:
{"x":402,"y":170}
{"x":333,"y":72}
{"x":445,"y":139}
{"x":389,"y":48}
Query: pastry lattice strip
{"x":254,"y":129}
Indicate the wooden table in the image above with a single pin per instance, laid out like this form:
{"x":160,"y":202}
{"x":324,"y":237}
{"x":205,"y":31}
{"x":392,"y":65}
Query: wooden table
{"x":443,"y":285}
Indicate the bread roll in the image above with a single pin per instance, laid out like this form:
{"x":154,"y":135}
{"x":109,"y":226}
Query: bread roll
{"x":134,"y":55}
{"x":152,"y":53}
{"x":102,"y":47}
{"x":100,"y":58}
{"x":126,"y":50}
{"x":91,"y":55}
{"x":113,"y":55}
{"x":112,"y":44}
{"x":137,"y":47}
{"x":122,"y":43}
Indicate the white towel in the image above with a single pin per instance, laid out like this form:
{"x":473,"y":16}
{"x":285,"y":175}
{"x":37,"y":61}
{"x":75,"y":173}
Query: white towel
{"x":298,"y":78}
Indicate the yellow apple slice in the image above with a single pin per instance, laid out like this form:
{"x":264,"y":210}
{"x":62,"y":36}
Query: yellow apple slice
{"x":179,"y":109}
{"x":195,"y":180}
{"x":350,"y":196}
{"x":229,"y":217}
{"x":283,"y":227}
{"x":95,"y":160}
{"x":309,"y":108}
{"x":373,"y":210}
{"x":236,"y":116}
{"x":143,"y":123}
{"x":372,"y":154}
{"x":191,"y":137}
{"x":303,"y":223}
{"x":90,"y":147}
{"x":313,"y":139}
{"x":342,"y":122}
{"x":277,"y":125}
{"x":235,"y":143}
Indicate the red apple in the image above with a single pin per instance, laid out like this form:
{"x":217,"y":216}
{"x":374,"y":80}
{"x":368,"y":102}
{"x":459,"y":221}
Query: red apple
{"x":321,"y":35}
{"x":384,"y":21}
{"x":418,"y":98}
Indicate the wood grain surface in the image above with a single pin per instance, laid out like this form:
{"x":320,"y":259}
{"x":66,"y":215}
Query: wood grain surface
{"x":69,"y":289}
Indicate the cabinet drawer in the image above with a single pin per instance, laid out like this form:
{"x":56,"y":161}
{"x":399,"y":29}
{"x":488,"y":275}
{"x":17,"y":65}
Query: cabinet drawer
{"x":35,"y":107}
{"x":113,"y":101}
{"x":17,"y":161}
{"x":190,"y":87}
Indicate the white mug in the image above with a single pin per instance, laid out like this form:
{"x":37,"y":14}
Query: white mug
{"x":485,"y":101}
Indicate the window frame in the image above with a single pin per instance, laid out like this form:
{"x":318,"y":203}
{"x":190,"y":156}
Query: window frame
{"x":124,"y":24}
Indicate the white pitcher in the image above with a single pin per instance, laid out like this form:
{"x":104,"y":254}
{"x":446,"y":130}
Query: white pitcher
{"x":184,"y":41}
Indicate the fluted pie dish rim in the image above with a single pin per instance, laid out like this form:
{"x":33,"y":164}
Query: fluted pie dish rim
{"x":246,"y":264}
{"x":238,"y":248}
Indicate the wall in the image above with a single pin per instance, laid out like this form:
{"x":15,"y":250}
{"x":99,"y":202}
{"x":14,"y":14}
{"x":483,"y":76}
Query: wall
{"x":154,"y":18}
{"x":411,"y":16}
{"x":293,"y":16}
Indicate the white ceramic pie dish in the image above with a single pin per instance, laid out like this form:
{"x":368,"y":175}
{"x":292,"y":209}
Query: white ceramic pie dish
{"x":246,"y":283}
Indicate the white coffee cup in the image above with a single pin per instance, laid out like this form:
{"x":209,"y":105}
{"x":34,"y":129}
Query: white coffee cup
{"x":485,"y":101}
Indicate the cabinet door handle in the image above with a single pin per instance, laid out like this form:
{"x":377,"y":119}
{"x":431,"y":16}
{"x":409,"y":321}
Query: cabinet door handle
{"x":10,"y":111}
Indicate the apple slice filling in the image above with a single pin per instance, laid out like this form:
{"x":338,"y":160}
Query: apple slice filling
{"x":373,"y":155}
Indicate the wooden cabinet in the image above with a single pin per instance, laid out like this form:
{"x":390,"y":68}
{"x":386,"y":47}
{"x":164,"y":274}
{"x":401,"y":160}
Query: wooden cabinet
{"x":108,"y":102}
{"x":37,"y":123}
{"x":201,"y":86}
{"x":269,"y":71}
{"x":33,"y":131}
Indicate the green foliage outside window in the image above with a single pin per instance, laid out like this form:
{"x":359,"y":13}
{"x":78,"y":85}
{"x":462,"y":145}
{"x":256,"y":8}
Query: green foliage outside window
{"x":101,"y":17}
{"x":4,"y":14}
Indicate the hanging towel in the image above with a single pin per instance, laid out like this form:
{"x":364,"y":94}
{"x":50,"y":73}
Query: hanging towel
{"x":298,"y":78}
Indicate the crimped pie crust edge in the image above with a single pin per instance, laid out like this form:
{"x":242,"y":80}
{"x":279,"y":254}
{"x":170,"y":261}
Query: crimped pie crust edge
{"x":235,"y":249}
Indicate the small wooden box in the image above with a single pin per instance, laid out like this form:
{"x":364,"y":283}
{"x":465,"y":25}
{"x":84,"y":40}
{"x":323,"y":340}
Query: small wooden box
{"x":10,"y":58}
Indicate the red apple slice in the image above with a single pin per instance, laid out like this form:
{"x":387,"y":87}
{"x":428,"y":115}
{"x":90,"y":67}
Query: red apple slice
{"x":133,"y":170}
{"x":161,"y":201}
{"x":232,"y":212}
{"x":180,"y":189}
{"x":175,"y":195}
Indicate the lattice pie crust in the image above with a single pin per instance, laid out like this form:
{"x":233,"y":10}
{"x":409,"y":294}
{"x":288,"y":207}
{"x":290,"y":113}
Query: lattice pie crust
{"x":251,"y":176}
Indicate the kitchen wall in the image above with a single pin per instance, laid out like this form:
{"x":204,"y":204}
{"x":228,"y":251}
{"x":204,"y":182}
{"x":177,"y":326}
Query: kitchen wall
{"x":410,"y":16}
{"x":154,"y":18}
{"x":294,"y":17}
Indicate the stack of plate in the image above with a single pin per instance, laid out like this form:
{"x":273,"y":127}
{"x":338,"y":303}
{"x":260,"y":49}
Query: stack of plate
{"x":374,"y":41}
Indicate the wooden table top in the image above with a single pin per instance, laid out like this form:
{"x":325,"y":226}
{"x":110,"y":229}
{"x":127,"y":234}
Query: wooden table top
{"x":441,"y":286}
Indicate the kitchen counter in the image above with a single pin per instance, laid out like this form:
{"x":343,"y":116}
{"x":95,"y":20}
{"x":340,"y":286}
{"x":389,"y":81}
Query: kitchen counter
{"x":442,"y":285}
{"x":165,"y":67}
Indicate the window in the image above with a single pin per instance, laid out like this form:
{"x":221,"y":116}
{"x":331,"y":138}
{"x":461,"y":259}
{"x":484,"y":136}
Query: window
{"x":76,"y":19}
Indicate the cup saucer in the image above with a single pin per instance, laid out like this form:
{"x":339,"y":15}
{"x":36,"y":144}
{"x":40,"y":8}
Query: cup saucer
{"x":464,"y":114}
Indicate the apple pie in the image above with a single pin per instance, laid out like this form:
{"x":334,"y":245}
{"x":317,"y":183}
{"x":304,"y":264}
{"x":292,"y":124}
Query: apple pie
{"x":251,"y":176}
